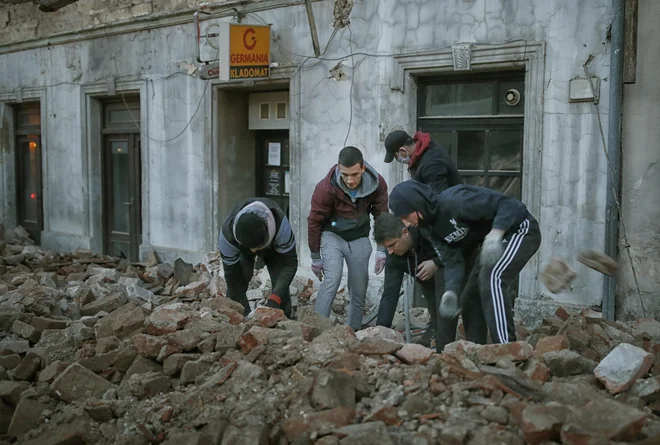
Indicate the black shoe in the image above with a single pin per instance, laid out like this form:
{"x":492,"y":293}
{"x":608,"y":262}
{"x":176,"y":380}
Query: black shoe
{"x":427,"y":338}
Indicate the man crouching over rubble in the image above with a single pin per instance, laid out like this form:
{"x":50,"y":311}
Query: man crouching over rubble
{"x":460,"y":218}
{"x":409,"y":253}
{"x":258,"y":227}
{"x":338,"y":229}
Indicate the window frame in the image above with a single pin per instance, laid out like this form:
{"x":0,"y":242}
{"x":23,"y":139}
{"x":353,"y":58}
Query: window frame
{"x":486,"y":123}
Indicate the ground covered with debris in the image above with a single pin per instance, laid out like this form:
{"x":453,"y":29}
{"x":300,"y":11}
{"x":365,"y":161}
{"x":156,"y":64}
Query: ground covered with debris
{"x":97,"y":351}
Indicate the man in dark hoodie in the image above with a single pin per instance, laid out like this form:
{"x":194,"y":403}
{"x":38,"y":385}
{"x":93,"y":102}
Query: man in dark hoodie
{"x":428,"y":163}
{"x":409,"y":253}
{"x":338,"y":230}
{"x":258,"y":227}
{"x":461,"y":218}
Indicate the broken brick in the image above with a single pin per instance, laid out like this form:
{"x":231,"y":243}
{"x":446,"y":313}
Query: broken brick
{"x":516,"y":351}
{"x":598,"y":261}
{"x":173,"y":364}
{"x":10,"y":392}
{"x":142,"y":365}
{"x":551,"y":343}
{"x":387,"y":414}
{"x":296,"y":328}
{"x":148,"y":345}
{"x":542,"y":423}
{"x":333,"y":389}
{"x":78,"y":383}
{"x":566,"y":363}
{"x":187,"y":339}
{"x":557,"y":276}
{"x":536,"y":370}
{"x":28,"y":367}
{"x":375,"y":346}
{"x":322,"y":422}
{"x":27,"y":416}
{"x":10,"y":361}
{"x":26,"y":331}
{"x":167,"y":319}
{"x":623,"y":367}
{"x":257,"y":336}
{"x":266,"y":317}
{"x":414,"y":354}
{"x":382,"y":333}
{"x":609,"y":418}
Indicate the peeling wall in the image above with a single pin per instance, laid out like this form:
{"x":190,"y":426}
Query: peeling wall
{"x":25,"y":22}
{"x":641,"y":176}
{"x":179,"y":209}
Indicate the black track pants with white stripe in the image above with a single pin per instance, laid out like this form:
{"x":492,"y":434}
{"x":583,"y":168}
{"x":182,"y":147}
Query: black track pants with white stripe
{"x":485,"y":301}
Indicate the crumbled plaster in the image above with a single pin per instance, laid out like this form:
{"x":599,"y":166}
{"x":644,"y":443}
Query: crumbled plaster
{"x":341,"y":14}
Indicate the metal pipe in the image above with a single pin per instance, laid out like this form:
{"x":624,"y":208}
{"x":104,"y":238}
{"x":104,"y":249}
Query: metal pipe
{"x":406,"y":306}
{"x":614,"y":152}
{"x":196,"y":23}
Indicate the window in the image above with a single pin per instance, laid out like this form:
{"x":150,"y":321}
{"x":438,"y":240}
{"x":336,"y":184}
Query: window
{"x":280,"y":112}
{"x":264,"y":111}
{"x":479,"y":120}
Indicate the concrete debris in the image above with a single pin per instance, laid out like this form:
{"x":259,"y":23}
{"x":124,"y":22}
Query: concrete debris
{"x":85,"y":360}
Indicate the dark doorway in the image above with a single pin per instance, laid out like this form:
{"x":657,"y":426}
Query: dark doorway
{"x":29,"y":189}
{"x":122,"y":217}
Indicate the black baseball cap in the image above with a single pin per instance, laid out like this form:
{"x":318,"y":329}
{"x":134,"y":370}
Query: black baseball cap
{"x":393,"y":142}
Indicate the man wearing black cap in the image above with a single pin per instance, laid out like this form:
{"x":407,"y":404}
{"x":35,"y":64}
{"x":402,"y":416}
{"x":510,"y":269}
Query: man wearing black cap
{"x":258,"y":227}
{"x":427,"y":161}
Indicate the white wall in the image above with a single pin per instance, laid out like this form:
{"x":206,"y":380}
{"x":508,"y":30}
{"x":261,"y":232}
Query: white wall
{"x":641,"y":176}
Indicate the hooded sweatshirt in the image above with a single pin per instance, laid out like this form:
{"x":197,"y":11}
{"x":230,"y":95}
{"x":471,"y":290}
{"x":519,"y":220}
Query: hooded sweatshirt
{"x":431,"y":164}
{"x":281,"y":248}
{"x":338,"y":209}
{"x":457,"y":219}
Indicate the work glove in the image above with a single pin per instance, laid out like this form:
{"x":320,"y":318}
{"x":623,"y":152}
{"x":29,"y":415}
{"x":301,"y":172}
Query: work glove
{"x":274,"y":302}
{"x":492,"y":248}
{"x":380,"y":262}
{"x":449,"y":307}
{"x":317,"y":268}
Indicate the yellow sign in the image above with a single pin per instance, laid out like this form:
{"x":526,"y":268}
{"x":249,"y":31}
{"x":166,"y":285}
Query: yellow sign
{"x":247,"y":52}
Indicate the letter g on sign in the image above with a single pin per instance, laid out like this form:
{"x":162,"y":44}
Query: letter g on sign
{"x":249,"y":40}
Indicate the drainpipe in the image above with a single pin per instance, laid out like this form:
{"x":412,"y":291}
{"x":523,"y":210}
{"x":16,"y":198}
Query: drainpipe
{"x":614,"y":152}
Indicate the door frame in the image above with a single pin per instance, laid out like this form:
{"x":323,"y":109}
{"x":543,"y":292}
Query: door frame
{"x":131,"y":134}
{"x":28,"y":133}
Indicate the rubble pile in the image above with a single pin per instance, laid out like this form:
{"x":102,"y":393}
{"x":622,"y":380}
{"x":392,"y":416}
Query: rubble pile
{"x":98,"y":351}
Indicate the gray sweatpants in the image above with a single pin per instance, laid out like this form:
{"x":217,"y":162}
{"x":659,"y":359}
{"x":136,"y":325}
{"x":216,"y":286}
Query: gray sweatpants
{"x":334,"y":251}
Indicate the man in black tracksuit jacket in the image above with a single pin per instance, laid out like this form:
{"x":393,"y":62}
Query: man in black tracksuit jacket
{"x":258,"y":227}
{"x":409,"y":253}
{"x":463,"y":217}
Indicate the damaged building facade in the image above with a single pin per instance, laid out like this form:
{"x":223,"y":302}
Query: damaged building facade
{"x":111,"y":141}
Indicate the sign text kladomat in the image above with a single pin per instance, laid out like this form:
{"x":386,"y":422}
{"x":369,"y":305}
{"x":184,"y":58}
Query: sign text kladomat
{"x":244,"y":51}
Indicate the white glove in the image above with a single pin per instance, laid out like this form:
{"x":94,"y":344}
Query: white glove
{"x":492,"y":248}
{"x":381,"y":257}
{"x":449,"y":307}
